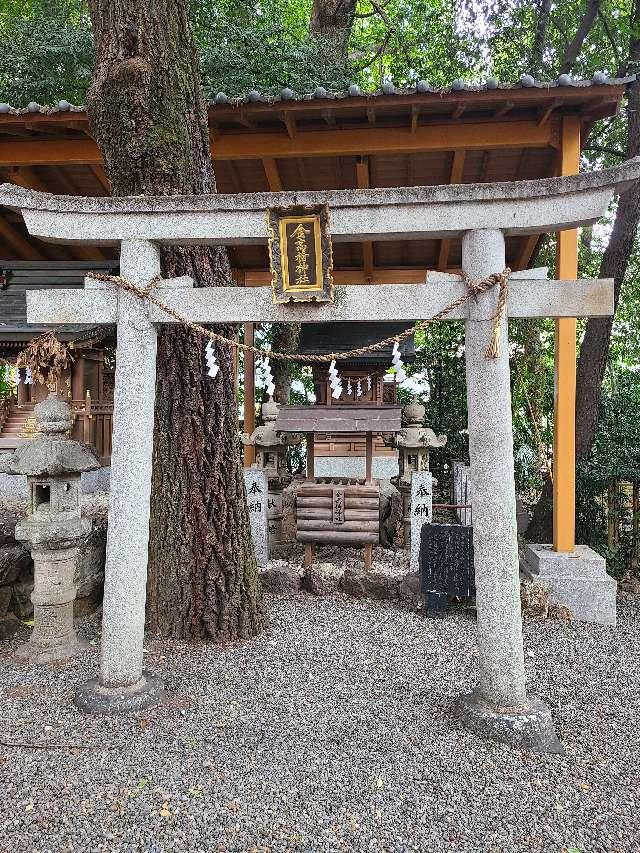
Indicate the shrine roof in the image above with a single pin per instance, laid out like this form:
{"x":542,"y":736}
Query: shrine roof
{"x":465,"y":133}
{"x":324,"y":338}
{"x":339,"y":419}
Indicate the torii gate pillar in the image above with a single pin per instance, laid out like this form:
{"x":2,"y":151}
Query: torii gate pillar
{"x":499,"y":706}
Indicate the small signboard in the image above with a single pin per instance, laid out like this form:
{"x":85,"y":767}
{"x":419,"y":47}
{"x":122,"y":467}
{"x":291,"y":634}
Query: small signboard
{"x":338,"y":506}
{"x":300,"y":254}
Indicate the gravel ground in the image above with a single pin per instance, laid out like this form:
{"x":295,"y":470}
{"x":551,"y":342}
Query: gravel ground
{"x":330,"y":732}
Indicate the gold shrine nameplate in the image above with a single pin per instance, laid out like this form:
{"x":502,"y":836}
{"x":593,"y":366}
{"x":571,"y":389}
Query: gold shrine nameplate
{"x":300,"y":254}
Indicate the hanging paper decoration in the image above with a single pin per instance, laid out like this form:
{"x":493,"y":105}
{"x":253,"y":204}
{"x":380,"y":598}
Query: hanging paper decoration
{"x":334,"y":381}
{"x":369,"y":384}
{"x":396,"y":360}
{"x":16,"y":375}
{"x":210,"y":357}
{"x":268,"y":378}
{"x":359,"y":388}
{"x":349,"y":388}
{"x":28,"y":376}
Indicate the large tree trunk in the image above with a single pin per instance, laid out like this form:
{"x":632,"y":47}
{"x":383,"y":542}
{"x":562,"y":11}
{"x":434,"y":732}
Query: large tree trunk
{"x":149,"y":116}
{"x":332,"y":20}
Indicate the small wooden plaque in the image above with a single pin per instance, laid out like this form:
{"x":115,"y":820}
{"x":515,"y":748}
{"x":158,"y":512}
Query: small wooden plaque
{"x":300,"y":254}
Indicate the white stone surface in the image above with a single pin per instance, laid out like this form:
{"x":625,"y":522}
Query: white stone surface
{"x":501,"y":658}
{"x":578,"y":581}
{"x":383,"y":468}
{"x":354,"y":303}
{"x":128,"y":532}
{"x":421,"y":512}
{"x":255,"y":483}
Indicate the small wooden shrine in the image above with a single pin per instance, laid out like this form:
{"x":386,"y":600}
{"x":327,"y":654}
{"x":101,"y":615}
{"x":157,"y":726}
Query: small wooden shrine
{"x":363,"y":378}
{"x":339,"y":510}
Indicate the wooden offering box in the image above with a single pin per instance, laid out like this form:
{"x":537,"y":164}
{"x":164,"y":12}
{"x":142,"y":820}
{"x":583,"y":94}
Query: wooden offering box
{"x":338,"y":512}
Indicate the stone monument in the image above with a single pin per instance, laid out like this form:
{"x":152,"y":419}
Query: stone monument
{"x":255,"y":483}
{"x":271,"y":457}
{"x":53,"y":527}
{"x":413,"y":442}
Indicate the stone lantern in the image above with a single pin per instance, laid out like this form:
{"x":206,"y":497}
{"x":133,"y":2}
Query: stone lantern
{"x":271,"y":457}
{"x":53,"y":527}
{"x":413,"y":443}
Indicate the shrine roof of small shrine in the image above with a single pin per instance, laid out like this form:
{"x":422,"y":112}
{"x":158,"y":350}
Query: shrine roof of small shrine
{"x":323,"y":338}
{"x":463,"y":133}
{"x":339,"y":419}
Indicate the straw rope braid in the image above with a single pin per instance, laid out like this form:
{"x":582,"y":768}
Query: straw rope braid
{"x":474,"y":289}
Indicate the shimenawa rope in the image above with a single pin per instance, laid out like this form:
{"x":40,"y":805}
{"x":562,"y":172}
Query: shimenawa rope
{"x":474,"y":289}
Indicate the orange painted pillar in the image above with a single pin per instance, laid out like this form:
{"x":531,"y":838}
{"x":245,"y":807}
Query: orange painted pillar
{"x":564,"y":441}
{"x":249,"y":393}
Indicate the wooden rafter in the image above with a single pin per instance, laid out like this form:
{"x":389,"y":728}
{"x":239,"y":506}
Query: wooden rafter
{"x":26,"y":250}
{"x":415,"y":115}
{"x":272,"y":174}
{"x":528,"y":249}
{"x":101,"y":175}
{"x":381,"y":275}
{"x":455,"y":177}
{"x":363,"y":181}
{"x":289,"y":122}
{"x":24,"y":176}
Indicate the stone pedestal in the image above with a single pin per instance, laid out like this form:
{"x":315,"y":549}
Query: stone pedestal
{"x":255,"y":482}
{"x":421,"y":512}
{"x":578,"y":581}
{"x":53,"y":637}
{"x":275,"y":514}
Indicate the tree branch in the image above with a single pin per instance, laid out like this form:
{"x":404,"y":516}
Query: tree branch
{"x":573,"y":49}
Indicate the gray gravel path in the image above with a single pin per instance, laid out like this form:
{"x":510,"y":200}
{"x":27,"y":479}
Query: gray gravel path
{"x":330,"y":732}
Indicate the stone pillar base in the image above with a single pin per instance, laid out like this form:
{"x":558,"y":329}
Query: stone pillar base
{"x":94,"y":698}
{"x":578,"y":581}
{"x":47,"y":652}
{"x":527,"y":728}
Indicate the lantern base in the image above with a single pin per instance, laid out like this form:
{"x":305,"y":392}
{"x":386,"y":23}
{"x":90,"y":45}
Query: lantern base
{"x":36,"y":652}
{"x":95,"y":698}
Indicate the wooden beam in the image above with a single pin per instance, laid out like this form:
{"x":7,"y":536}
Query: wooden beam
{"x":504,"y":109}
{"x":315,"y":143}
{"x":527,"y":251}
{"x":289,"y":122}
{"x":363,"y":182}
{"x":546,"y":112}
{"x":415,"y":115}
{"x":564,"y":433}
{"x":101,"y":175}
{"x":19,"y":244}
{"x":272,"y":174}
{"x":371,"y":115}
{"x":24,"y":176}
{"x":455,"y":177}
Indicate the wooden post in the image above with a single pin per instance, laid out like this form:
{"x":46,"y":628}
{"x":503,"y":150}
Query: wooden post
{"x":310,"y":457}
{"x":87,"y":420}
{"x":564,"y":435}
{"x":77,"y":379}
{"x":249,"y":393}
{"x":369,"y":460}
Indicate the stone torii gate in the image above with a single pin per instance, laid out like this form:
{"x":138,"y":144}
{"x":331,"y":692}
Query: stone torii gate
{"x":482,"y":214}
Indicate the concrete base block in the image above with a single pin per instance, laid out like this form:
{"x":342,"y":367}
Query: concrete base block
{"x":38,"y":653}
{"x":578,"y":581}
{"x":93,"y":698}
{"x":527,"y":728}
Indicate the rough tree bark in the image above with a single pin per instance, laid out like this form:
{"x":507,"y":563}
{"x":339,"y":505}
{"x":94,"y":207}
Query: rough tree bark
{"x":332,"y":20}
{"x":149,"y":116}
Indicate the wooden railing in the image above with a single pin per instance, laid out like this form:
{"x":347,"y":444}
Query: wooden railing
{"x":94,"y":425}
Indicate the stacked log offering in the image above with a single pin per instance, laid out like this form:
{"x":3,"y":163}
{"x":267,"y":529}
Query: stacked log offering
{"x":338,"y":512}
